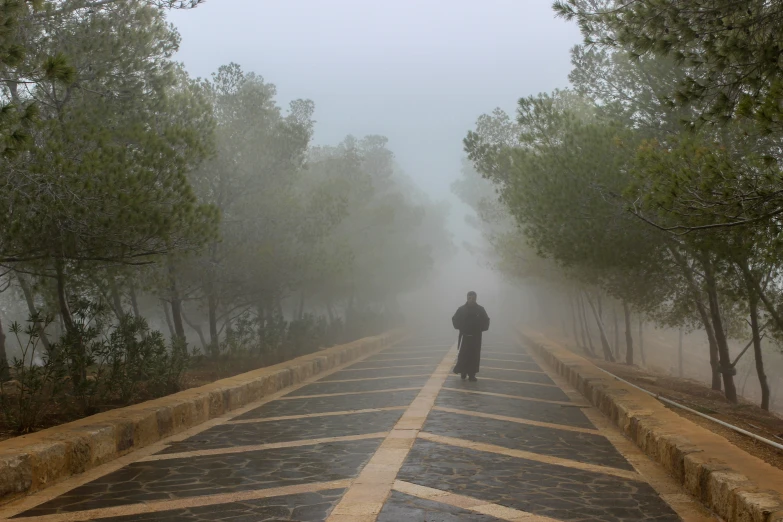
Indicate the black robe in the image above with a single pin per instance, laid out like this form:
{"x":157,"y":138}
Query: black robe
{"x":471,"y":320}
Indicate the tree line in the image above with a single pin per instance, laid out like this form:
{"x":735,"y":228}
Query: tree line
{"x":654,"y":178}
{"x":135,"y":196}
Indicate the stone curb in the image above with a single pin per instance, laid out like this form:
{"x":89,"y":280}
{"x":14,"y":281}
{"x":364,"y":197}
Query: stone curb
{"x":33,"y":462}
{"x":731,"y":483}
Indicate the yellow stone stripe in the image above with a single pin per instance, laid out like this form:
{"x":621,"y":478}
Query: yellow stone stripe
{"x":291,"y":398}
{"x":365,"y":498}
{"x":469,"y":503}
{"x":516,"y":420}
{"x":261,"y":447}
{"x":157,"y":506}
{"x":500,"y":450}
{"x":311,"y":415}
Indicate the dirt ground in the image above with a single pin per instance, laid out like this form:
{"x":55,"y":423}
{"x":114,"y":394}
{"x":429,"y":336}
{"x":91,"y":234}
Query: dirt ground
{"x":701,"y":398}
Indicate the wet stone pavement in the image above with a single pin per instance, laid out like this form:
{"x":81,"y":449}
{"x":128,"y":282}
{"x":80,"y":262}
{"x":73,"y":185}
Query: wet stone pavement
{"x":392,"y":437}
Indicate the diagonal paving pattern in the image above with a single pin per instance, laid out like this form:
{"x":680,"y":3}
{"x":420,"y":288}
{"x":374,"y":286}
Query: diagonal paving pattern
{"x":391,"y":437}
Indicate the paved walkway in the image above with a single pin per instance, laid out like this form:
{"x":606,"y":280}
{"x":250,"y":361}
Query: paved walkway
{"x":393,"y":437}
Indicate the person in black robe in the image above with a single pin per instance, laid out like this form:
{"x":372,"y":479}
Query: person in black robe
{"x":471,"y":320}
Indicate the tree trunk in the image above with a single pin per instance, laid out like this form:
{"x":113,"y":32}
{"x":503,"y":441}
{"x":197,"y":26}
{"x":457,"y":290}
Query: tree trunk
{"x":745,"y":379}
{"x":573,"y":322}
{"x":263,"y":333}
{"x":166,"y":313}
{"x":586,"y":338}
{"x":753,"y":303}
{"x":134,"y":301}
{"x":704,"y":315}
{"x":176,"y":310}
{"x":62,"y":298}
{"x":628,"y":334}
{"x":271,"y":325}
{"x":5,"y":373}
{"x":724,"y":357}
{"x":604,"y":341}
{"x":616,"y":334}
{"x":79,"y":357}
{"x":600,"y":306}
{"x":214,"y":336}
{"x":176,"y":303}
{"x":196,"y":328}
{"x":714,"y":362}
{"x":330,"y":311}
{"x":641,"y":341}
{"x":679,"y":355}
{"x":34,"y":315}
{"x":300,"y":313}
{"x":116,"y":298}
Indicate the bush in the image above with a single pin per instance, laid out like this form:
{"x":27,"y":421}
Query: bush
{"x":36,"y":388}
{"x":140,"y":365}
{"x":95,"y":365}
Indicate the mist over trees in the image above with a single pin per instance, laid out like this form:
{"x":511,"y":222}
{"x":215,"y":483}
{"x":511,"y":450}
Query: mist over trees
{"x":137,"y":198}
{"x":653,"y":180}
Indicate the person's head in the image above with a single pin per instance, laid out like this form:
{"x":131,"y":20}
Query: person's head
{"x":472,"y":297}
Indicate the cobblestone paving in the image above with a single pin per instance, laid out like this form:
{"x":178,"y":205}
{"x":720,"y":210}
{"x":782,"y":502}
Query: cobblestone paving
{"x":403,"y":363}
{"x":383,"y":372}
{"x":507,"y":355}
{"x":386,"y":383}
{"x":307,"y":507}
{"x":209,"y":475}
{"x":505,"y":372}
{"x":581,"y":447}
{"x":543,"y":489}
{"x":230,"y":435}
{"x":510,"y":407}
{"x":401,"y":507}
{"x":423,"y":353}
{"x":519,"y":389}
{"x":198,"y":479}
{"x":327,"y":404}
{"x":502,"y":361}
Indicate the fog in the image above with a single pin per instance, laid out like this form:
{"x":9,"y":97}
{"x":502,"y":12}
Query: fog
{"x":419,"y":73}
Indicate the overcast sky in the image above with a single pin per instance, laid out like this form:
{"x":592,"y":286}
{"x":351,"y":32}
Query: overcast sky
{"x":419,"y":72}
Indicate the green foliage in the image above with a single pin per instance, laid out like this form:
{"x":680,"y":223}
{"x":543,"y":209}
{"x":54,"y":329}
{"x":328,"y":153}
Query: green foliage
{"x":115,"y":142}
{"x":140,"y":364}
{"x":95,"y":365}
{"x":729,"y":48}
{"x":35,"y":390}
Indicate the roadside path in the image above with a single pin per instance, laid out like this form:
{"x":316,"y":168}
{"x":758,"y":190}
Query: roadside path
{"x":392,"y":437}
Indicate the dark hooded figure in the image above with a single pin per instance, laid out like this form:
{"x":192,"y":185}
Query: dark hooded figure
{"x":471,"y":320}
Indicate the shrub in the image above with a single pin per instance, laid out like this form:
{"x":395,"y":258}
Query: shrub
{"x":36,"y":388}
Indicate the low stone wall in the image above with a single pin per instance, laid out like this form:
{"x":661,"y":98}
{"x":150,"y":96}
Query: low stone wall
{"x":730,"y":482}
{"x":32,"y":462}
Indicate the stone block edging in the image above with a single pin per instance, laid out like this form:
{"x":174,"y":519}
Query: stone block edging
{"x":29,"y":463}
{"x":731,"y":483}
